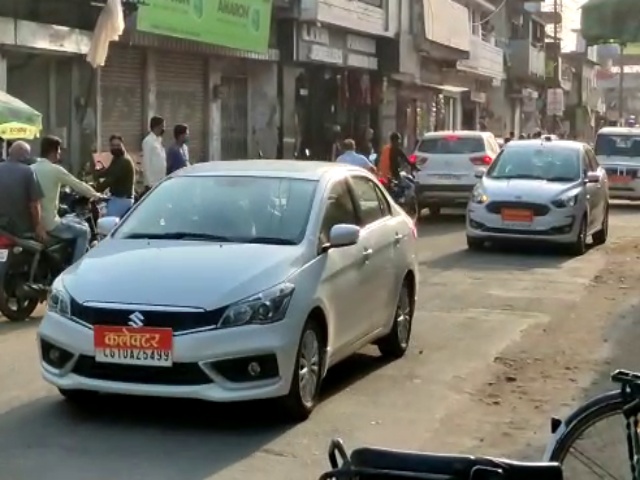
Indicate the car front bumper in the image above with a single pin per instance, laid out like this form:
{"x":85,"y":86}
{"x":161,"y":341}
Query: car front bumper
{"x":558,"y":226}
{"x":625,"y":191}
{"x":211,"y":365}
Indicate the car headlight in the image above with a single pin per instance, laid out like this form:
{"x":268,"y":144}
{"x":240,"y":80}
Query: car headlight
{"x":59,"y":300}
{"x":479,"y":196}
{"x":266,"y":307}
{"x":567,"y":201}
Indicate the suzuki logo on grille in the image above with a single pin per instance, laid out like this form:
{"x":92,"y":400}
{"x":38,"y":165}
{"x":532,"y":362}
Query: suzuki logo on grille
{"x":137,"y":320}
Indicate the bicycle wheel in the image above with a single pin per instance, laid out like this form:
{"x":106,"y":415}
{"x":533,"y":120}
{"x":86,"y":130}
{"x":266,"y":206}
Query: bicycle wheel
{"x":571,"y":448}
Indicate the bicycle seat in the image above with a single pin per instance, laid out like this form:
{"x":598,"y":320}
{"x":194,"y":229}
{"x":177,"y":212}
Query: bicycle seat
{"x":459,"y":467}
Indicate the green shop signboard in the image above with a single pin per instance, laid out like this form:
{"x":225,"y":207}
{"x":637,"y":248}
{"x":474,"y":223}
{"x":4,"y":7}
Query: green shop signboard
{"x":241,"y":24}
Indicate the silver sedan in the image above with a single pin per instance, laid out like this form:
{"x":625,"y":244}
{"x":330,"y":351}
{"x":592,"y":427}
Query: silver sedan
{"x":537,"y":190}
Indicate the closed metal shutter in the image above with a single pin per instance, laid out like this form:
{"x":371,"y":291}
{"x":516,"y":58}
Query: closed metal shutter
{"x":234,"y":107}
{"x":181,"y":98}
{"x":121,"y":87}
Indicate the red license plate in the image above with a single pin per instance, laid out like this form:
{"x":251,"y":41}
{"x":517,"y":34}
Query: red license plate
{"x":133,"y":346}
{"x":516,"y":215}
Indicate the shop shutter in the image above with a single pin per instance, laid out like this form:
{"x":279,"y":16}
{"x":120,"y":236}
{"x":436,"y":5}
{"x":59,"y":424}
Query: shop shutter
{"x":234,"y":112}
{"x":121,"y":87}
{"x":181,"y":98}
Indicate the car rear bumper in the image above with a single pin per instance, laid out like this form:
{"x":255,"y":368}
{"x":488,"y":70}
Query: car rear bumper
{"x":625,"y":191}
{"x":557,"y":226}
{"x":443,"y":195}
{"x":208,"y":365}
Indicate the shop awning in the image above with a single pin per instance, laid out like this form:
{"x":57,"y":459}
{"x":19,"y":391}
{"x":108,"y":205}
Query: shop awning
{"x":610,"y":21}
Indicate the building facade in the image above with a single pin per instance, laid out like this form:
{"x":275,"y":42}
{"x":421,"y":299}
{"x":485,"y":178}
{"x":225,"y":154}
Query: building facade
{"x":217,"y":76}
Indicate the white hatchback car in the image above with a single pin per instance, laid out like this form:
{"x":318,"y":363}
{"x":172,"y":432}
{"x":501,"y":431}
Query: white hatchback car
{"x":235,"y":281}
{"x":448,"y":162}
{"x":541,"y":191}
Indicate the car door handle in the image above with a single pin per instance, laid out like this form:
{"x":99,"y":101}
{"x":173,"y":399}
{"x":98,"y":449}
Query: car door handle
{"x":366,"y":254}
{"x":398,"y":237}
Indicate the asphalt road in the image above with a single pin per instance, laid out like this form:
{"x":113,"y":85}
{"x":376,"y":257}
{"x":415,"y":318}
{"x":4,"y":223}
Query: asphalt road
{"x":471,"y":307}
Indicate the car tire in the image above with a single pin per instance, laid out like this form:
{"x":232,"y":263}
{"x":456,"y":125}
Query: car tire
{"x":78,"y":397}
{"x":474,"y":244}
{"x":299,"y":402}
{"x":434,"y":211}
{"x":600,"y":237}
{"x":579,"y":246}
{"x":395,"y":343}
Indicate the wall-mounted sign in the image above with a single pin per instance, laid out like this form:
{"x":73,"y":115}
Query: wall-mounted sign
{"x":319,"y":44}
{"x":320,"y":53}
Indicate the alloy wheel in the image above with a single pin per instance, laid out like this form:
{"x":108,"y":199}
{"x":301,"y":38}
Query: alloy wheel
{"x":403,"y":317}
{"x":309,"y":367}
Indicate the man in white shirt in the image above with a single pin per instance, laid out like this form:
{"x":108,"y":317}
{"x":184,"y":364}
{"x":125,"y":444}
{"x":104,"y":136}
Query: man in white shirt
{"x":154,"y":156}
{"x":51,"y":176}
{"x":352,"y":158}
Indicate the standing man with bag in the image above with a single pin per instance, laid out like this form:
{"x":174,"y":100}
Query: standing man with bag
{"x":154,"y":156}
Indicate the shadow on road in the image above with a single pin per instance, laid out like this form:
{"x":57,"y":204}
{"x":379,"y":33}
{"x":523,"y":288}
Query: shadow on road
{"x":137,"y":437}
{"x":501,"y":257}
{"x":435,"y":226}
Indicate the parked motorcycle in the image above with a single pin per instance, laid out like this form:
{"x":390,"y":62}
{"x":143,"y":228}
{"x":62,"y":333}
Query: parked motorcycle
{"x":28,"y":267}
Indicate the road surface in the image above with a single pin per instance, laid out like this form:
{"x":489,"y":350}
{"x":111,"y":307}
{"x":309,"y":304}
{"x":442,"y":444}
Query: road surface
{"x":487,"y":328}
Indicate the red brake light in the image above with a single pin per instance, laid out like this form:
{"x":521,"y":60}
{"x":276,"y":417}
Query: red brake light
{"x":482,"y":161}
{"x":451,"y":138}
{"x":6,"y":242}
{"x":413,"y":159}
{"x":383,"y":180}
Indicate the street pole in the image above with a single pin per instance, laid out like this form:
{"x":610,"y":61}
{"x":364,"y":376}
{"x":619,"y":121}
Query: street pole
{"x":556,"y":66}
{"x":621,"y":87}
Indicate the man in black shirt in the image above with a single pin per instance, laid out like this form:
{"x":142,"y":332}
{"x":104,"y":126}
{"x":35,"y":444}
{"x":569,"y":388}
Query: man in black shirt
{"x":119,"y":178}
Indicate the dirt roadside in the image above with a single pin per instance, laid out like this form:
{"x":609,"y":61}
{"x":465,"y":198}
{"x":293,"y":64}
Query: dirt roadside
{"x":552,"y":368}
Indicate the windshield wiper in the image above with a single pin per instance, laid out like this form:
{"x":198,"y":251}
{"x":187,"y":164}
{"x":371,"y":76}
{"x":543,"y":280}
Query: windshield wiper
{"x":562,"y":179}
{"x":269,"y":240}
{"x":518,"y":177}
{"x":178,"y":236}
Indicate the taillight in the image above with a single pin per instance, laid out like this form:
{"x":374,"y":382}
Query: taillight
{"x":481,"y":161}
{"x":413,"y":159}
{"x":6,"y":242}
{"x":383,"y":181}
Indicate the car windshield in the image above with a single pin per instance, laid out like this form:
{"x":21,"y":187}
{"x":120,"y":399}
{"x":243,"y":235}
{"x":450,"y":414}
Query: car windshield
{"x":618,"y":145}
{"x":452,"y":144}
{"x":239,"y":209}
{"x":559,"y":164}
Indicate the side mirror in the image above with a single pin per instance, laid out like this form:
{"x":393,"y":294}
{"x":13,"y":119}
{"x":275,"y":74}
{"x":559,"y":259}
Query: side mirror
{"x":343,"y":235}
{"x":592,"y":177}
{"x":479,"y":172}
{"x":106,"y":225}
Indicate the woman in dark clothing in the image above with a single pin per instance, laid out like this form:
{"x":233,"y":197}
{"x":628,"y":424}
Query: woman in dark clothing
{"x":119,"y":178}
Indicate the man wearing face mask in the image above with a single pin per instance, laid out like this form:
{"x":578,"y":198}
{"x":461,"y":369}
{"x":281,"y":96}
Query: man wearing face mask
{"x":119,"y":178}
{"x":154,"y":156}
{"x":178,"y":153}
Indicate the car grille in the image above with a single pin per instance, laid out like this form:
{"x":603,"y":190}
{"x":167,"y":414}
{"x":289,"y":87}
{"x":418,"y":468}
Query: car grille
{"x":177,"y":321}
{"x":622,"y":171}
{"x":538,"y":209}
{"x":179,"y":374}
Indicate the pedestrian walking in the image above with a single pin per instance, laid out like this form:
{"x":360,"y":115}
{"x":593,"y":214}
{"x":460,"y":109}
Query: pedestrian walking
{"x":178,"y":153}
{"x":154,"y":156}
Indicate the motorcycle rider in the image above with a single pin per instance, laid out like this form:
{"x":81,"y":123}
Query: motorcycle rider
{"x":51,"y":176}
{"x":20,"y":202}
{"x":393,"y":160}
{"x":119,"y":178}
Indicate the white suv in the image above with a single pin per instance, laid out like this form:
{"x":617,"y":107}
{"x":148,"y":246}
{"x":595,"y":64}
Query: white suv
{"x":448,"y":163}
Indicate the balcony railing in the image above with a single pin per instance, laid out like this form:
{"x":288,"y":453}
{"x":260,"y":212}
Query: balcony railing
{"x":484,"y":59}
{"x":526,"y":60}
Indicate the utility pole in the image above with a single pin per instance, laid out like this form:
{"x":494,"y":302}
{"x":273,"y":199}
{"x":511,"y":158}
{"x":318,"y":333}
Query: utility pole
{"x":556,"y":65}
{"x":621,"y":87}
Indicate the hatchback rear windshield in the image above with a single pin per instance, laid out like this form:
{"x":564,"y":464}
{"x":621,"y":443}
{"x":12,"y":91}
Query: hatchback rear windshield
{"x":618,"y":145}
{"x":452,"y":145}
